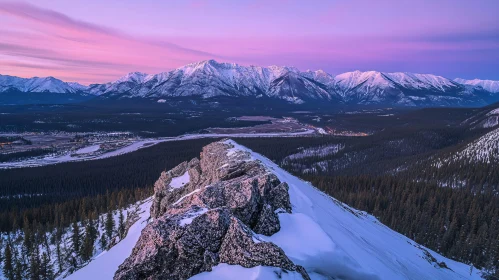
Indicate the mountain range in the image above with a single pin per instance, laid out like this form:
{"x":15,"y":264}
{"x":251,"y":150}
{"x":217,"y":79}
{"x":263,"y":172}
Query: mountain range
{"x":210,"y":78}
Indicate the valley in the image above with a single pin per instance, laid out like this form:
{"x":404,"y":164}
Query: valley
{"x":249,"y":140}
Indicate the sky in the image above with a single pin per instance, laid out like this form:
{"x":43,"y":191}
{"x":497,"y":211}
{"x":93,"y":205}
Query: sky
{"x":95,"y":41}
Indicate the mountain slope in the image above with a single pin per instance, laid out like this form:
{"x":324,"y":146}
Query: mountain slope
{"x":209,"y":78}
{"x":488,"y":85}
{"x":36,"y":84}
{"x":318,"y":233}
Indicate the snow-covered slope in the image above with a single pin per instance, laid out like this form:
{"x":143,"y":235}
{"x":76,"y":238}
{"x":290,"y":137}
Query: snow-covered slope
{"x":210,"y":78}
{"x":485,"y":149}
{"x":36,"y":84}
{"x":399,"y":88}
{"x":488,"y":85}
{"x":328,"y":238}
{"x":106,"y":263}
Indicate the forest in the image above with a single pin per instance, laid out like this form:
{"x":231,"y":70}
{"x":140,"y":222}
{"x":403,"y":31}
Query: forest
{"x":72,"y":199}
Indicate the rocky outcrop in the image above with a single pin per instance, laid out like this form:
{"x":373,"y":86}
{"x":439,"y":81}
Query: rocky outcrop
{"x":209,"y":211}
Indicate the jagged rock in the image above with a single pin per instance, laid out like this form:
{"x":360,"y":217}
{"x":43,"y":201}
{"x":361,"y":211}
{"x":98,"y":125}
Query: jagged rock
{"x":268,"y":221}
{"x":211,"y":219}
{"x":164,"y":195}
{"x":240,"y":248}
{"x":279,"y":197}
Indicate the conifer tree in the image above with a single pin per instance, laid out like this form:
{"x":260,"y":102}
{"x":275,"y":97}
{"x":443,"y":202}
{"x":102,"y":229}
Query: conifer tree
{"x":46,"y":270}
{"x":8,"y":267}
{"x":89,"y":240}
{"x":103,"y":242}
{"x":19,"y":270}
{"x":34,"y":267}
{"x":109,"y":225}
{"x":76,"y":238}
{"x":121,"y":225}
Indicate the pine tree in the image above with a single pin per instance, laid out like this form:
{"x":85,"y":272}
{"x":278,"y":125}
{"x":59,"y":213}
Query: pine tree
{"x":109,"y":225}
{"x":76,"y":238}
{"x":19,"y":270}
{"x":88,"y":243}
{"x":103,"y":242}
{"x":58,"y":252}
{"x":8,"y":268}
{"x":46,"y":270}
{"x":34,"y":268}
{"x":121,"y":225}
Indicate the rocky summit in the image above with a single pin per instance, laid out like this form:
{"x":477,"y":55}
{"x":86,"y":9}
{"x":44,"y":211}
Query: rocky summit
{"x":209,"y":211}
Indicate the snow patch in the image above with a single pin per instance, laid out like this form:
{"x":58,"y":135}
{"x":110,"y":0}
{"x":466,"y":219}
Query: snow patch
{"x":179,"y":182}
{"x":230,"y":272}
{"x":89,"y":149}
{"x":189,"y":217}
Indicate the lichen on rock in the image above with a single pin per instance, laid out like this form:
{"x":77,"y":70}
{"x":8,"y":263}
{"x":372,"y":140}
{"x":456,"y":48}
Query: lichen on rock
{"x":212,"y":219}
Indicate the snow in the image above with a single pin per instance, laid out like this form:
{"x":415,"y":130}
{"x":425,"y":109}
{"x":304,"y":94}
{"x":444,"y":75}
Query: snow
{"x":180,"y":181}
{"x":144,"y":143}
{"x":104,"y":266}
{"x":89,"y":149}
{"x":331,"y":239}
{"x":320,"y":151}
{"x":190,"y":216}
{"x":493,"y":112}
{"x":489,"y":85}
{"x":328,"y":238}
{"x":36,"y":84}
{"x":230,"y":272}
{"x":185,"y":196}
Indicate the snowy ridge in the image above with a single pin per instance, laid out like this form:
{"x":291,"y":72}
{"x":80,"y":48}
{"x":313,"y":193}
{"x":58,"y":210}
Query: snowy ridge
{"x":320,"y":151}
{"x":210,"y":78}
{"x":488,"y":85}
{"x":328,"y":238}
{"x":485,"y":149}
{"x":36,"y":84}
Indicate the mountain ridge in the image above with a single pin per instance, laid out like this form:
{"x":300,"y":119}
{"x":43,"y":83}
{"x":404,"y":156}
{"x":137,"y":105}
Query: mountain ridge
{"x":232,"y":213}
{"x":210,"y":78}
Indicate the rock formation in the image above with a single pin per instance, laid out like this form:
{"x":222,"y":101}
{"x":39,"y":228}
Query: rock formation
{"x":208,"y":211}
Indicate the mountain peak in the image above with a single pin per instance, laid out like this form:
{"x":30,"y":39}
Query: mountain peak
{"x":136,"y":77}
{"x":488,"y":85}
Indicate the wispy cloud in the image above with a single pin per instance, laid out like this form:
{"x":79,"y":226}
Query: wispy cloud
{"x":336,"y":36}
{"x":79,"y":46}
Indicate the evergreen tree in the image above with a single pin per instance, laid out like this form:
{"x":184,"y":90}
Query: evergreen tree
{"x":89,"y":240}
{"x":109,"y":225}
{"x":103,"y":242}
{"x":121,"y":225}
{"x":8,"y":267}
{"x":76,"y":238}
{"x":58,"y":250}
{"x":34,"y":267}
{"x":19,"y":271}
{"x":46,"y":270}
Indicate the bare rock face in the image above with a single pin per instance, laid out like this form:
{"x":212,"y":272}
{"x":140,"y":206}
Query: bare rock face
{"x":213,"y":218}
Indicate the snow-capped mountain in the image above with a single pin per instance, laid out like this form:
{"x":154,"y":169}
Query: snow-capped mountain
{"x":234,"y":214}
{"x":122,"y":85}
{"x":36,"y":84}
{"x":210,"y":78}
{"x":373,"y":87}
{"x":488,"y":85}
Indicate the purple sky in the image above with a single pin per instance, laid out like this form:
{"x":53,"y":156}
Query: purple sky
{"x":97,"y":41}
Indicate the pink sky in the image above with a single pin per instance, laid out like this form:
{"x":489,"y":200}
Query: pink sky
{"x":99,"y":41}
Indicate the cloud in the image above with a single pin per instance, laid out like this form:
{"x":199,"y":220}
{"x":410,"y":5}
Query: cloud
{"x":43,"y":42}
{"x":42,"y":34}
